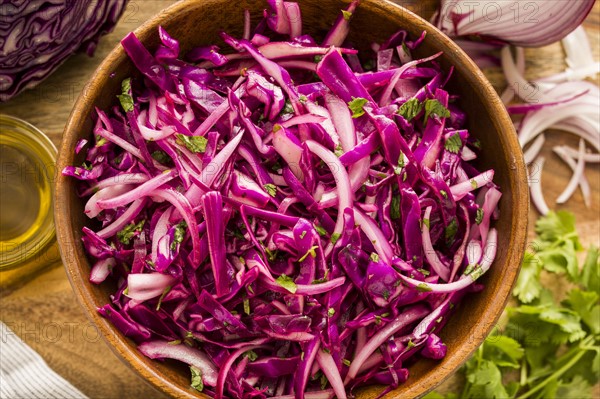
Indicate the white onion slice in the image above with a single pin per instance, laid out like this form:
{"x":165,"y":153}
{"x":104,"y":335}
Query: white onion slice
{"x":575,"y":179}
{"x":535,"y":186}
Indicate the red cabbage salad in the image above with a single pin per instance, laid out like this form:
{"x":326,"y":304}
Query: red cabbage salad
{"x":290,"y":218}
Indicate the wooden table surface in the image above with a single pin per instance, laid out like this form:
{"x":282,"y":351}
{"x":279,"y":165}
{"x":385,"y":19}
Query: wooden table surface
{"x":45,"y":313}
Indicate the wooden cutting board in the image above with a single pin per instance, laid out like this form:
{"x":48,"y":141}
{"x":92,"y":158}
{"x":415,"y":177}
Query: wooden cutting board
{"x":45,"y":313}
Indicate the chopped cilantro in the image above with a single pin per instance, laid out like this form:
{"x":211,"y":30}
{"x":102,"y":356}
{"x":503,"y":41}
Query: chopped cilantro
{"x":357,"y":106}
{"x":287,"y":283}
{"x":410,"y":109}
{"x":335,"y":237}
{"x":161,"y":157}
{"x":271,"y":189}
{"x":179,"y":234}
{"x":395,"y":207}
{"x":320,"y":230}
{"x":251,"y":355}
{"x":450,"y":231}
{"x":125,"y":97}
{"x":423,"y":287}
{"x":247,"y":306}
{"x":129,"y":231}
{"x":479,"y":216}
{"x":454,"y":143}
{"x":426,"y":223}
{"x":434,"y":107}
{"x":196,"y":144}
{"x":197,"y":382}
{"x":311,"y":252}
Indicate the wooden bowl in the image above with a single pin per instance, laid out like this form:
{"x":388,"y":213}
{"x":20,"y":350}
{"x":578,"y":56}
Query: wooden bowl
{"x":197,"y":22}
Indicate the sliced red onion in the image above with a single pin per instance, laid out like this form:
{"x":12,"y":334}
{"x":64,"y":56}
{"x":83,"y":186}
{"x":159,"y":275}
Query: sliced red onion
{"x":340,"y":175}
{"x":375,"y":235}
{"x":341,"y":27}
{"x":580,"y":58}
{"x":583,"y":182}
{"x":534,"y":149}
{"x":489,"y":254}
{"x":514,"y":74}
{"x":430,"y":254}
{"x":404,"y":319}
{"x":226,"y":367}
{"x":588,"y":157}
{"x":126,"y":178}
{"x":101,"y":270}
{"x":576,"y":178}
{"x":91,"y":207}
{"x":330,"y":370}
{"x":140,"y":191}
{"x":461,"y":189}
{"x":142,"y":287}
{"x":528,"y":24}
{"x":535,"y":186}
{"x":134,"y":209}
{"x":183,"y":353}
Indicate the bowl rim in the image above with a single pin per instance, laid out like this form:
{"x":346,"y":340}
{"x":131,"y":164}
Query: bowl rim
{"x":118,"y":343}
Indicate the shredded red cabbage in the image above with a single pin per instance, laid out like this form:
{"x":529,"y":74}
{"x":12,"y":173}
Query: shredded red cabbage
{"x":286,"y":232}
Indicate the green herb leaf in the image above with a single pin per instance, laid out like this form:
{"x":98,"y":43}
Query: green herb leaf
{"x":434,"y":107}
{"x":196,"y":144}
{"x":557,"y":226}
{"x":131,"y":230}
{"x":426,"y":223}
{"x":450,"y":231}
{"x":479,"y":216}
{"x":453,"y":144}
{"x":503,"y":350}
{"x":485,"y":380}
{"x":347,"y":15}
{"x":197,"y":382}
{"x":162,"y":296}
{"x":585,"y":304}
{"x":335,"y":237}
{"x":590,"y":273}
{"x":528,"y":286}
{"x":161,"y":157}
{"x":287,"y":283}
{"x":357,"y":106}
{"x":251,"y":355}
{"x":125,"y":97}
{"x":287,"y":109}
{"x":178,"y":234}
{"x":330,"y":312}
{"x":423,"y":287}
{"x":271,"y":189}
{"x":410,"y":109}
{"x":322,"y":232}
{"x":395,"y":207}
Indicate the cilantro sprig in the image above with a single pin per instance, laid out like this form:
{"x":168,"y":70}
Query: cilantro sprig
{"x":550,"y":347}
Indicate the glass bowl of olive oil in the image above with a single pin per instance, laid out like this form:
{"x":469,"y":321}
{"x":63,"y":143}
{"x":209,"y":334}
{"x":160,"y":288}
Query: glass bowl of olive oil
{"x":27,"y":173}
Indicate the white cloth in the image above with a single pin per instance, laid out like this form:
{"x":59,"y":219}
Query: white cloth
{"x":25,"y":375}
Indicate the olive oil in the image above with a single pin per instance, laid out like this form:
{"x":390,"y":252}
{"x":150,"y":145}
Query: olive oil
{"x":27,"y":172}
